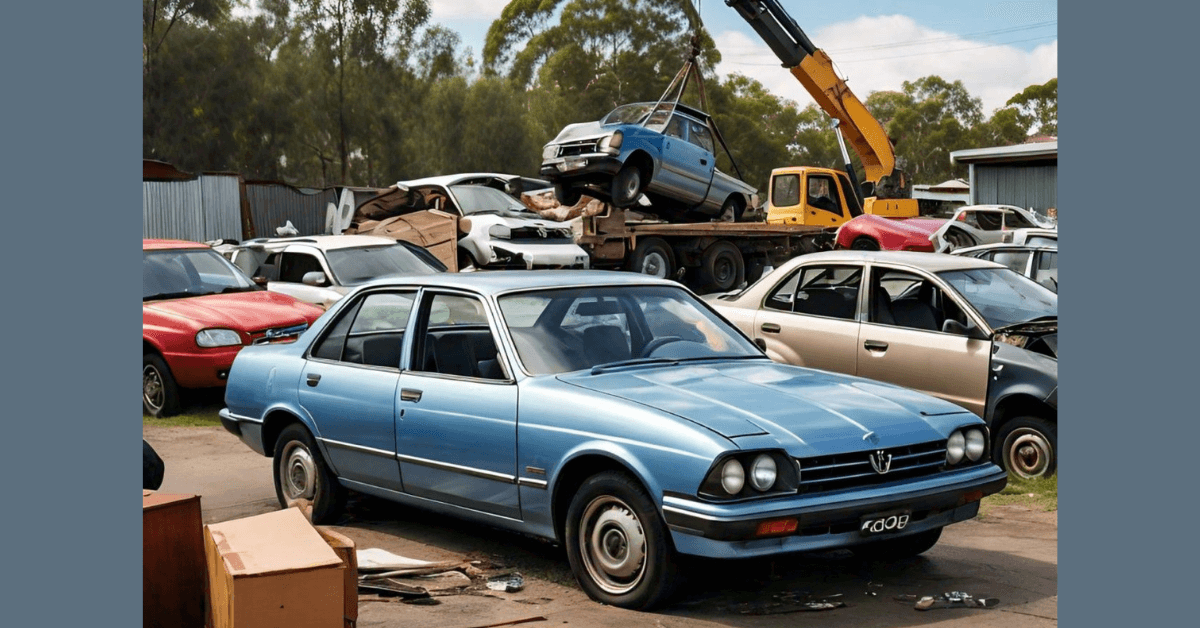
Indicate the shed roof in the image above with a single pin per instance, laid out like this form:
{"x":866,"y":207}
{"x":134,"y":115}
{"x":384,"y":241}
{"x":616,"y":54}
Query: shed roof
{"x":1035,"y":151}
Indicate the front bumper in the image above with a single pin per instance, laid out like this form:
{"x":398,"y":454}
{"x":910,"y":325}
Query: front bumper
{"x":518,"y":255}
{"x":206,"y":368}
{"x":587,"y":166}
{"x":825,"y":521}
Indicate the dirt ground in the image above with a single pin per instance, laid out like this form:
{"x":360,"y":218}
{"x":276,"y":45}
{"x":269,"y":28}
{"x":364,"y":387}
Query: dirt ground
{"x":1010,"y":554}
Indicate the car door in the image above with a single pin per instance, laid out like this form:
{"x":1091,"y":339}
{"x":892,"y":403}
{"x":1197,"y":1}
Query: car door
{"x":688,"y":167}
{"x":902,"y":342}
{"x":457,"y":426}
{"x":293,"y":264}
{"x":810,"y":318}
{"x":349,"y":386}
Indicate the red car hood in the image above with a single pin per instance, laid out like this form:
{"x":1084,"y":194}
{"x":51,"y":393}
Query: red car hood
{"x":242,"y":311}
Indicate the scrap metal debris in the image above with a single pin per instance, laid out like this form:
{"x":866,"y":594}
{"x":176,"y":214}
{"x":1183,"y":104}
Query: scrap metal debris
{"x":870,"y":586}
{"x":952,"y":599}
{"x":508,"y":583}
{"x":790,"y":602}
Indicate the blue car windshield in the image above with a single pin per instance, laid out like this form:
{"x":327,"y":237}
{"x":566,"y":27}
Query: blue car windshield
{"x":1002,"y":296}
{"x":572,"y":329}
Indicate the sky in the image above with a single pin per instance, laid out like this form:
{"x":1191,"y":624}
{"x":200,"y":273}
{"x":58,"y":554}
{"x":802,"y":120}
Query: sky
{"x":996,"y":48}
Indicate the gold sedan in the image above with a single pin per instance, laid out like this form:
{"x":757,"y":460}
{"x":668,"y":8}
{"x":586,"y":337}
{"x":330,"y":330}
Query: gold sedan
{"x":967,"y":330}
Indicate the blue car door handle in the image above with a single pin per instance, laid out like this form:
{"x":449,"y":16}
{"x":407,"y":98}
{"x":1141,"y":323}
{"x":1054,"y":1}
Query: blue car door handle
{"x":703,"y":162}
{"x":313,"y":378}
{"x":409,"y":394}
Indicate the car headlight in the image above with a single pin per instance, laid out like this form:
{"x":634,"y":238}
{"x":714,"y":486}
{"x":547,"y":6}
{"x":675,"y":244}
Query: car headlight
{"x":612,"y":141}
{"x":763,"y":472}
{"x":976,"y":444}
{"x":218,"y":338}
{"x":549,"y":151}
{"x":956,"y":447}
{"x":733,"y":477}
{"x":500,"y":232}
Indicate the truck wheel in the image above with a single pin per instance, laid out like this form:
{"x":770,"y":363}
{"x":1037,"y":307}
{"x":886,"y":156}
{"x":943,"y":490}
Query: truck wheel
{"x":567,"y":196}
{"x":1026,"y":447}
{"x":627,"y":186}
{"x":721,"y":267}
{"x":653,"y":257}
{"x":863,"y":243}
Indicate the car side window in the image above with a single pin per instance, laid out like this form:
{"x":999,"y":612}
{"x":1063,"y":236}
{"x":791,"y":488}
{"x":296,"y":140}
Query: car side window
{"x":1047,"y":270}
{"x":823,"y":194}
{"x":904,"y":299}
{"x":1016,"y":260}
{"x":830,"y":291}
{"x":785,"y":190}
{"x":989,"y":221}
{"x":1013,"y":220}
{"x":698,"y":134}
{"x":375,"y":336}
{"x":330,"y":346}
{"x":269,"y":268}
{"x":294,"y":266}
{"x":675,"y":127}
{"x":457,"y":339}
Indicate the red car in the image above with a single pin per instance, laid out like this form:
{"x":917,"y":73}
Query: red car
{"x":198,"y":311}
{"x":874,"y":233}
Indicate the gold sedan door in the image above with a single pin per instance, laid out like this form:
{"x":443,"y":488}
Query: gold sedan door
{"x":810,"y":318}
{"x":902,"y":341}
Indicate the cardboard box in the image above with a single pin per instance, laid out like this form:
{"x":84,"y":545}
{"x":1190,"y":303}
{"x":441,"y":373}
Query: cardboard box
{"x":173,"y":571}
{"x":273,"y":570}
{"x":343,"y":546}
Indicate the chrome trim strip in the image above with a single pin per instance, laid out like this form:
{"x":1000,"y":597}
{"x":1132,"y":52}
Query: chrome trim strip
{"x":532,"y":483}
{"x":446,"y":466}
{"x":358,"y":448}
{"x":692,"y":513}
{"x":239,"y":418}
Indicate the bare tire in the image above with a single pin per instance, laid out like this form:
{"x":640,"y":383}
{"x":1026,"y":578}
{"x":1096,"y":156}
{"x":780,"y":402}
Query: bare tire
{"x":1027,"y":447}
{"x":653,"y":257}
{"x":732,"y":210}
{"x":959,"y":239}
{"x":617,"y":544}
{"x":567,"y":196}
{"x":301,"y":473}
{"x":626,"y":186}
{"x":722,"y":267}
{"x":900,"y":547}
{"x":863,"y":243}
{"x":160,"y":394}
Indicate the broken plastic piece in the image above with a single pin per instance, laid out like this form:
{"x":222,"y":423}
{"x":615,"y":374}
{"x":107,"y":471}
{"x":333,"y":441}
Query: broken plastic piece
{"x":508,"y":583}
{"x":952,"y":599}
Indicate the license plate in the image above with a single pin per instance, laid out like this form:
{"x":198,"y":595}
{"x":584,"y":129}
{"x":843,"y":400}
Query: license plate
{"x":571,"y":164}
{"x":884,"y":523}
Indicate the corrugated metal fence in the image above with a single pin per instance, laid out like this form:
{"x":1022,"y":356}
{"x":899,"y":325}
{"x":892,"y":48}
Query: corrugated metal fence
{"x":206,"y":208}
{"x":1021,"y":185}
{"x":272,"y":205}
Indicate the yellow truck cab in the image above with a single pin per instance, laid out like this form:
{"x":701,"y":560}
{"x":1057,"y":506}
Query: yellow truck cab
{"x":805,"y":195}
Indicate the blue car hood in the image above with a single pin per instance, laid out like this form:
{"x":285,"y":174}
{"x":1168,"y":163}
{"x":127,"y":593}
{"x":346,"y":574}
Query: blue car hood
{"x":807,"y":411}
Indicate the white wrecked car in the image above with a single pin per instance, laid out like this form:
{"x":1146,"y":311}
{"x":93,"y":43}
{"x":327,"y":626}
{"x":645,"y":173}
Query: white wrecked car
{"x":500,"y":231}
{"x":974,"y":225}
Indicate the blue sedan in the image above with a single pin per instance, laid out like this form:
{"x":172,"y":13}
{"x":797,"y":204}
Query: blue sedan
{"x":614,"y":413}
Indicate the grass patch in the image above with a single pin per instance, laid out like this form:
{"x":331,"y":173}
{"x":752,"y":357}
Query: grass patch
{"x":1039,"y":494}
{"x":198,"y":418}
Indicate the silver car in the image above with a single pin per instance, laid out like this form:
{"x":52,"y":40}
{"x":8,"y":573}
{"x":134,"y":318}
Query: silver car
{"x":969,"y":331}
{"x":1039,"y":263}
{"x":987,"y":224}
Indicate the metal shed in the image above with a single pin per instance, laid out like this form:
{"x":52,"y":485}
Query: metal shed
{"x":1025,"y":175}
{"x":206,"y":207}
{"x":273,"y":205}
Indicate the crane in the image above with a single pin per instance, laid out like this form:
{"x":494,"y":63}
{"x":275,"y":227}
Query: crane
{"x":890,"y":191}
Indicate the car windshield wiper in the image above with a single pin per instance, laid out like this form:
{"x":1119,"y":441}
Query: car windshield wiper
{"x":169,"y":295}
{"x":600,"y":368}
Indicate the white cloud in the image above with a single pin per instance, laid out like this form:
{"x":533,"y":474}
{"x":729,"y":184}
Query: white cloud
{"x":992,"y":73}
{"x":466,"y":9}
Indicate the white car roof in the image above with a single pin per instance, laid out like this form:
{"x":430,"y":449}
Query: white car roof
{"x":323,"y":242}
{"x":453,"y":179}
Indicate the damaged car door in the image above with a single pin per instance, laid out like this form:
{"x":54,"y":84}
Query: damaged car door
{"x":809,"y":319}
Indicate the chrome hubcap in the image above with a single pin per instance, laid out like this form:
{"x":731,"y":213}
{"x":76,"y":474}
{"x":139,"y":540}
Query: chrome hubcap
{"x":1028,"y":453}
{"x":613,"y":545}
{"x":654,"y":265}
{"x":153,"y":391}
{"x":298,"y":473}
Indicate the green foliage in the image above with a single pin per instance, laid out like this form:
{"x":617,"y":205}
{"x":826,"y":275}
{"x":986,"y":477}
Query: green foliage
{"x":1038,"y":106}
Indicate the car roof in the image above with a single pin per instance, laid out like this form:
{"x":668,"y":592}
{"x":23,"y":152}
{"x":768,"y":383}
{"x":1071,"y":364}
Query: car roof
{"x":156,"y":244}
{"x":498,"y":281}
{"x":1003,"y":245}
{"x":680,"y":107}
{"x":324,"y":242}
{"x":932,"y":262}
{"x":454,"y":179}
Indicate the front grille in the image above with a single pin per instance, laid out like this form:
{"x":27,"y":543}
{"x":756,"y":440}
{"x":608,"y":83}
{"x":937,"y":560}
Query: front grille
{"x":277,"y":334}
{"x":577,"y":148}
{"x":541,"y":233}
{"x":849,"y":471}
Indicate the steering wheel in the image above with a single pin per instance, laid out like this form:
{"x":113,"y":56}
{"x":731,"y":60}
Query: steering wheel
{"x":654,"y":345}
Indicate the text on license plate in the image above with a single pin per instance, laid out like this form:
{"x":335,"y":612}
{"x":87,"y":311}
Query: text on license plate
{"x":882,"y":524}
